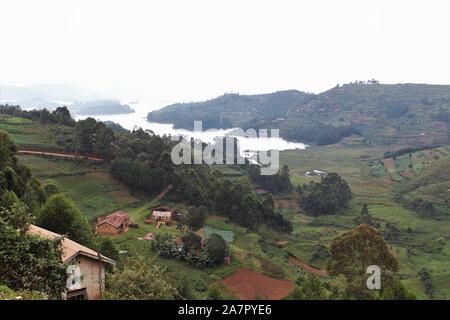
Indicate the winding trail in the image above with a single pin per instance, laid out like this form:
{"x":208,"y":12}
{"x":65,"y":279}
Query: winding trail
{"x":307,"y":267}
{"x":163,"y":193}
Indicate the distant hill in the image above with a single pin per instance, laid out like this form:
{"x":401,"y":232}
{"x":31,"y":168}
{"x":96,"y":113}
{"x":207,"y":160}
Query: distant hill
{"x":99,"y":107}
{"x":402,"y":114}
{"x":230,"y":110}
{"x":51,"y":96}
{"x":399,"y":114}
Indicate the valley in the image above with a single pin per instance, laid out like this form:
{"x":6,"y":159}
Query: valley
{"x":417,"y":241}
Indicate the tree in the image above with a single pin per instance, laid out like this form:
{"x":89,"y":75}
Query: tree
{"x":34,"y":196}
{"x":195,"y":218}
{"x":217,"y":248}
{"x":311,"y":288}
{"x":17,"y":216}
{"x":364,"y":216}
{"x":85,"y":131}
{"x":60,"y":215}
{"x":7,"y":150}
{"x":29,"y":262}
{"x":191,"y":241}
{"x":50,"y":189}
{"x":352,"y":252}
{"x":108,"y":248}
{"x":140,"y":279}
{"x":330,"y":196}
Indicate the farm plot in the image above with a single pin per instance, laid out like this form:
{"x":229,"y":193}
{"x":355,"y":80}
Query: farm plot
{"x":251,"y":285}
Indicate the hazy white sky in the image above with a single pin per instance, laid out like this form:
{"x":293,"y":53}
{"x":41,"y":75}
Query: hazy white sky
{"x":189,"y":50}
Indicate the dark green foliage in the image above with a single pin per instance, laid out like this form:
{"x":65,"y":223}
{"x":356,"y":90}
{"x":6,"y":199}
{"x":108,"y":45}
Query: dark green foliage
{"x":217,"y":248}
{"x":276,"y":183}
{"x":59,"y":116}
{"x":195,"y":217}
{"x":50,"y":189}
{"x":403,"y":151}
{"x":329,"y":196}
{"x":190,"y":252}
{"x":29,"y":262}
{"x":311,"y":288}
{"x":15,"y":213}
{"x":60,"y":215}
{"x":95,"y":138}
{"x":423,"y":207}
{"x":364,"y":217}
{"x":191,"y":241}
{"x":320,"y":133}
{"x":425,"y":277}
{"x":108,"y":248}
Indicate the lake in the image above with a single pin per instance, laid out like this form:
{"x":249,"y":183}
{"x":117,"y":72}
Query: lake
{"x":139,"y":119}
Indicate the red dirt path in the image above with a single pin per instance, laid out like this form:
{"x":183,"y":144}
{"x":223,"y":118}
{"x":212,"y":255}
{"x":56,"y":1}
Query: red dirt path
{"x":163,"y":193}
{"x":59,"y":154}
{"x":251,"y":285}
{"x":307,"y":267}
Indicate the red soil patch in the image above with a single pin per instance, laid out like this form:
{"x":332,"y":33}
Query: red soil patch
{"x":307,"y":267}
{"x":163,"y":193}
{"x":251,"y":285}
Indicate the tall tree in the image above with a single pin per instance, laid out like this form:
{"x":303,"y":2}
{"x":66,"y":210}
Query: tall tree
{"x":217,"y":248}
{"x":60,"y":215}
{"x":353,"y":252}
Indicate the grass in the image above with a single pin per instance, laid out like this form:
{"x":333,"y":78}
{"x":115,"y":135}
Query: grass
{"x":27,"y":133}
{"x":89,"y":185}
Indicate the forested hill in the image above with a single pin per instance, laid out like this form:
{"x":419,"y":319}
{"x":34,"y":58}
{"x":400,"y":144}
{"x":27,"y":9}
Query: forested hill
{"x":399,"y":114}
{"x":403,"y":114}
{"x":230,"y":110}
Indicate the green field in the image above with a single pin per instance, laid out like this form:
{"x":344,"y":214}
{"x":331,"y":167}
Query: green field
{"x":27,"y":133}
{"x":89,"y":185}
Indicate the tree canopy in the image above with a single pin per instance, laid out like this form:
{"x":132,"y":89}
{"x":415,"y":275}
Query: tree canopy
{"x":329,"y":196}
{"x":60,"y":215}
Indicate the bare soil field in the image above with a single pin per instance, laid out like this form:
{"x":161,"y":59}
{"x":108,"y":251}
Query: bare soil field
{"x":251,"y":285}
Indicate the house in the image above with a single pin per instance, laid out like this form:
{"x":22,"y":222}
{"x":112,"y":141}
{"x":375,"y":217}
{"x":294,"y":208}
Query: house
{"x":161,"y":215}
{"x":164,"y":214}
{"x":114,"y":223}
{"x":85,"y":267}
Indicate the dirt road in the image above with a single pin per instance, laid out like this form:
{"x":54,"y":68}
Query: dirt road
{"x":307,"y":267}
{"x":60,"y":155}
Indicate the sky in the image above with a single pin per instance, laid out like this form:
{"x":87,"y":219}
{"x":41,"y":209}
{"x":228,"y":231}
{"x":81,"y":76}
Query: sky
{"x":179,"y":50}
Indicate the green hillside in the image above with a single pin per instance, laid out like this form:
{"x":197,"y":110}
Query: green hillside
{"x":403,"y":114}
{"x":398,"y":114}
{"x":229,"y":110}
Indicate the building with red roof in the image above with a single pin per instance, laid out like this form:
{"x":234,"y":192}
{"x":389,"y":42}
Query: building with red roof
{"x":113,"y":223}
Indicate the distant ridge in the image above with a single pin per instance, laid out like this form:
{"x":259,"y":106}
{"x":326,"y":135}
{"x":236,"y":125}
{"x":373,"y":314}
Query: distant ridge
{"x":388,"y":114}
